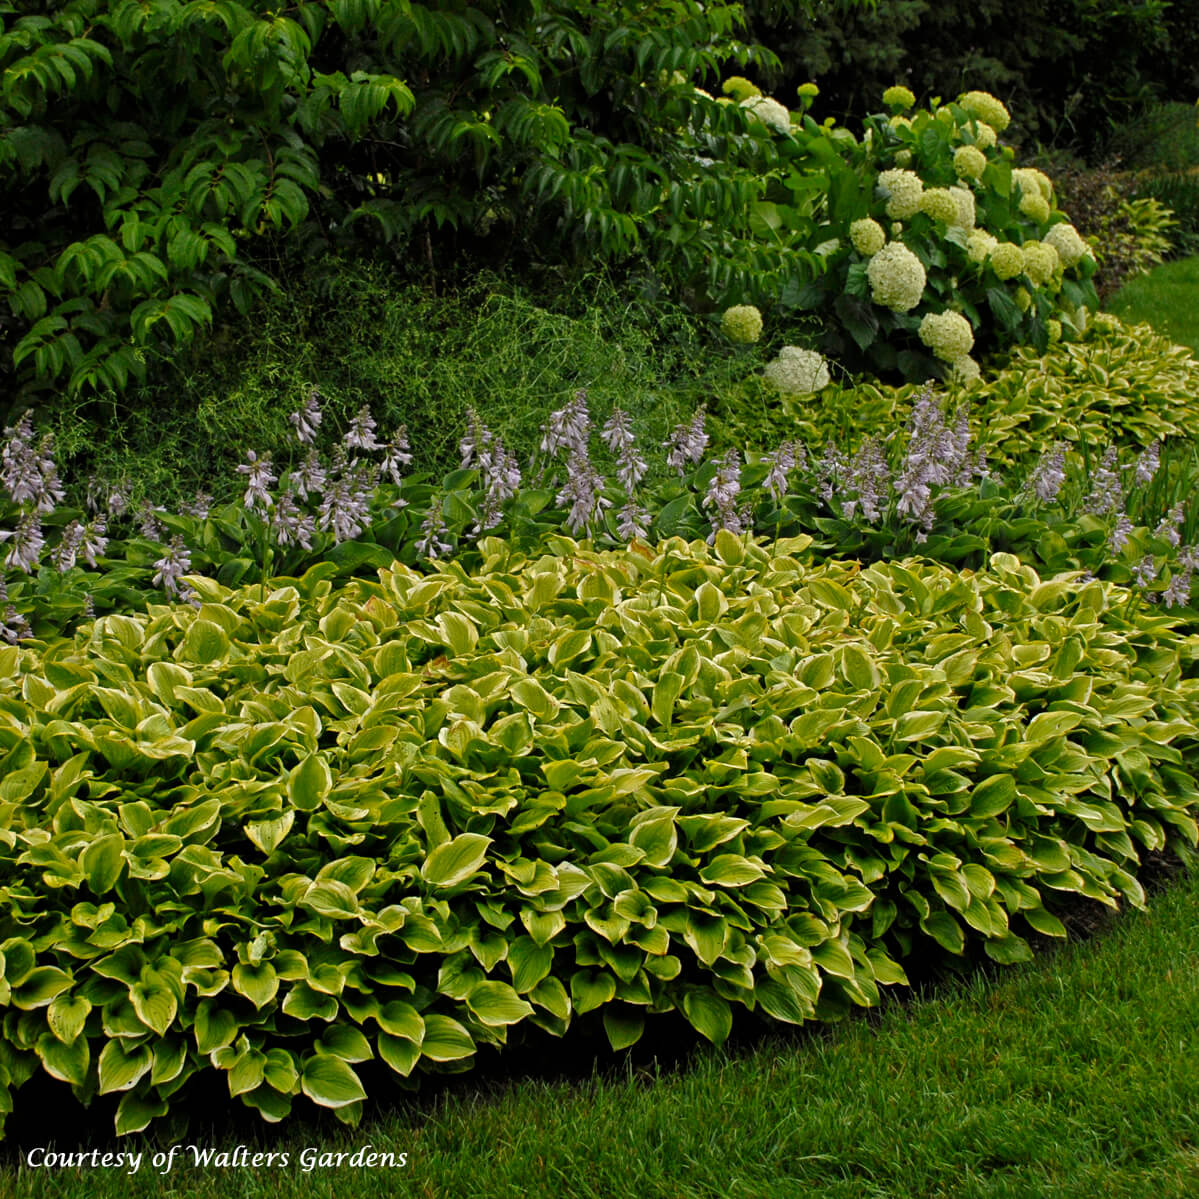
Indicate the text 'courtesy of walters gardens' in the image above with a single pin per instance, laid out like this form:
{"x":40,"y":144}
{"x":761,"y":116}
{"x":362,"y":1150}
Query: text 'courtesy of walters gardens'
{"x":163,"y":1161}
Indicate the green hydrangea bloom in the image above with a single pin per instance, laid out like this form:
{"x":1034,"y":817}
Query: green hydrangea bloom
{"x":1068,"y":243}
{"x":947,"y":334}
{"x":797,"y":372}
{"x":770,"y":112}
{"x":1035,"y":206}
{"x":979,"y":244}
{"x":1055,"y":330}
{"x":807,"y":90}
{"x":1041,"y":262}
{"x":964,"y":199}
{"x":742,"y":324}
{"x":899,"y":98}
{"x":1023,"y":299}
{"x":867,"y":236}
{"x":903,"y":157}
{"x":969,"y":162}
{"x":896,"y":278}
{"x":964,"y":370}
{"x":902,"y":190}
{"x":1006,"y":259}
{"x":740,"y":88}
{"x":986,"y":108}
{"x":938,"y":203}
{"x":1030,"y":179}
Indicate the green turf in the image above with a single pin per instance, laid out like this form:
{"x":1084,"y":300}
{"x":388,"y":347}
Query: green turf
{"x":1073,"y":1076}
{"x":1166,"y":298}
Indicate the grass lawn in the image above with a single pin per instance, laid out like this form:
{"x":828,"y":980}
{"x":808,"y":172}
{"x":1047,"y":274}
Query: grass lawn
{"x":1072,"y":1076}
{"x":1167,"y":298}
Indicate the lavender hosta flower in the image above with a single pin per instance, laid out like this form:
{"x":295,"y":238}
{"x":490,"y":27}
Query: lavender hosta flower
{"x":780,"y":464}
{"x":688,"y":442}
{"x":94,"y":541}
{"x":289,"y":525}
{"x":1107,"y":493}
{"x":89,"y":607}
{"x":568,"y":429}
{"x":935,"y":456}
{"x":1178,"y":591}
{"x":259,"y":476}
{"x":632,"y":521}
{"x":308,"y":419}
{"x":501,"y":482}
{"x":870,"y":477}
{"x":396,"y":455}
{"x":583,"y":492}
{"x":345,"y":509}
{"x":618,"y":437}
{"x":1188,"y":557}
{"x":433,"y":530}
{"x":309,"y":477}
{"x":171,"y":567}
{"x":15,"y":627}
{"x":27,"y":543}
{"x":148,"y":524}
{"x":722,"y":493}
{"x":829,"y":470}
{"x":67,"y":549}
{"x":199,"y":507}
{"x":1170,"y":526}
{"x":1146,"y":465}
{"x":1049,"y":474}
{"x":361,"y":433}
{"x":1120,"y":534}
{"x":1145,"y":571}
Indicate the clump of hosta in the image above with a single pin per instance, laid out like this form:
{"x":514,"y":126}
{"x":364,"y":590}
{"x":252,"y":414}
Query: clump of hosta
{"x":969,"y":162}
{"x":867,"y":236}
{"x":797,"y":372}
{"x":902,"y":190}
{"x":896,"y":278}
{"x":987,"y":109}
{"x":742,"y":324}
{"x":947,"y":334}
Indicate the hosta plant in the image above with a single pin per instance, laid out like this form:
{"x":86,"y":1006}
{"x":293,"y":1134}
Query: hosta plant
{"x":293,"y":830}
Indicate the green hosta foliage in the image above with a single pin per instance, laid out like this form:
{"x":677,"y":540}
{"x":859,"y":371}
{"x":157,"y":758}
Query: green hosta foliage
{"x":288,"y":833}
{"x":1118,"y":383}
{"x":158,"y":155}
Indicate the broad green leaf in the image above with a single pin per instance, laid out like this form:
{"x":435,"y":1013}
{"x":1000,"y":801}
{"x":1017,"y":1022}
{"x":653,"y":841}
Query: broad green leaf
{"x":624,"y":1025}
{"x":121,"y":1070}
{"x":102,"y":863}
{"x":399,"y":1053}
{"x":657,"y":839}
{"x":39,"y":987}
{"x":136,"y":1110}
{"x":529,"y":963}
{"x":155,"y":1004}
{"x":496,"y":1004}
{"x":709,"y":1013}
{"x":329,"y":1082}
{"x":309,"y":783}
{"x":259,"y":984}
{"x":446,"y":1040}
{"x":67,"y":1062}
{"x":67,"y":1015}
{"x":993,"y":795}
{"x":456,"y":860}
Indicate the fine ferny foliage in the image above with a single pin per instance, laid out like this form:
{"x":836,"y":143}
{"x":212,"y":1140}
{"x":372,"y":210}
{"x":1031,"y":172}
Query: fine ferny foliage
{"x":283,"y":834}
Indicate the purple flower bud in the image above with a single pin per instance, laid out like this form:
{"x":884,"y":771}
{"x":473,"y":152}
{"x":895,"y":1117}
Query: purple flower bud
{"x":259,"y":476}
{"x":688,"y":442}
{"x":361,"y":433}
{"x":308,"y":419}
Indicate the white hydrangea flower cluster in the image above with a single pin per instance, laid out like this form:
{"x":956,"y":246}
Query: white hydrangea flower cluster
{"x":938,"y":203}
{"x":947,"y":334}
{"x":770,"y":112}
{"x":742,"y":323}
{"x":896,"y":278}
{"x":1041,"y":262}
{"x":969,"y":162}
{"x":986,"y":108}
{"x":1068,"y":243}
{"x":797,"y":372}
{"x":1006,"y":259}
{"x":867,"y":236}
{"x":979,"y":244}
{"x":964,"y":198}
{"x":902,"y":190}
